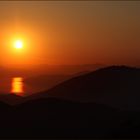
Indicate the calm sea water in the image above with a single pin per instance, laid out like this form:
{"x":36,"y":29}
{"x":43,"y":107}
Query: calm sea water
{"x":18,"y":86}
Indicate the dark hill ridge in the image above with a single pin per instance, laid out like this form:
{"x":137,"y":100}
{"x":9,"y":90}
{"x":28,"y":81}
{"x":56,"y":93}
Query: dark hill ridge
{"x":118,"y":86}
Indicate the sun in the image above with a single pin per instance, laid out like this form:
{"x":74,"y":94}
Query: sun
{"x":18,"y":44}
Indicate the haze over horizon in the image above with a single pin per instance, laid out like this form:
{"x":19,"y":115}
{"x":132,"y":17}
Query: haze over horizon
{"x":70,"y":33}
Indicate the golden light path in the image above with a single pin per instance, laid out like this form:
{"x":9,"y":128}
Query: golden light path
{"x":17,"y":86}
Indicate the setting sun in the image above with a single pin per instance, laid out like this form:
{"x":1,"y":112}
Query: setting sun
{"x":18,"y":44}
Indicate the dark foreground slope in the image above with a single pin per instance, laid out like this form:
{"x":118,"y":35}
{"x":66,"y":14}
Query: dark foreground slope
{"x":117,"y":86}
{"x":54,"y":118}
{"x":11,"y":99}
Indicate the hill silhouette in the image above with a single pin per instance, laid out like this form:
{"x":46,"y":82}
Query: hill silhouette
{"x":55,"y":118}
{"x":11,"y":99}
{"x":100,"y":104}
{"x":43,"y":82}
{"x":51,"y":118}
{"x":117,"y":86}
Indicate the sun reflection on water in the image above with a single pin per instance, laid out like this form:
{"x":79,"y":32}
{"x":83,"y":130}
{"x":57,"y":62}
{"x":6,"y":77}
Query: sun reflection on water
{"x":17,"y":86}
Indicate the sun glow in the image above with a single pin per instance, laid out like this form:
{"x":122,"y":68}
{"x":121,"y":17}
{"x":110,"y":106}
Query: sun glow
{"x":18,"y":44}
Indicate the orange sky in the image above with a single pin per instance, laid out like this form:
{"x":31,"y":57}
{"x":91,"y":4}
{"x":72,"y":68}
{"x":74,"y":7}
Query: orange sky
{"x":70,"y":32}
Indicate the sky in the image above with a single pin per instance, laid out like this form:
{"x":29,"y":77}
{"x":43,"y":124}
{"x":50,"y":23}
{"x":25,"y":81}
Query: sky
{"x":70,"y":32}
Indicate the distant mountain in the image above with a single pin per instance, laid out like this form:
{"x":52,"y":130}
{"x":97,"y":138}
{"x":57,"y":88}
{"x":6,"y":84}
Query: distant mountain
{"x":43,"y":69}
{"x":117,"y":86}
{"x":43,"y":82}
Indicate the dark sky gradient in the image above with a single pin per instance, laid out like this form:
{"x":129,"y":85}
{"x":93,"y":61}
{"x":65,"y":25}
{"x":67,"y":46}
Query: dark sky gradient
{"x":68,"y":32}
